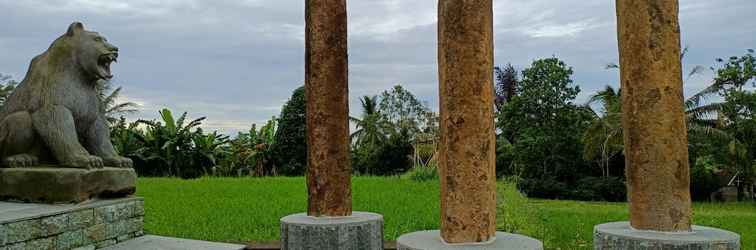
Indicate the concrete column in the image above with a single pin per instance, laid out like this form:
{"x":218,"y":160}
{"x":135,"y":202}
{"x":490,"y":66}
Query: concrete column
{"x":326,"y":86}
{"x":656,"y":141}
{"x":467,"y":145}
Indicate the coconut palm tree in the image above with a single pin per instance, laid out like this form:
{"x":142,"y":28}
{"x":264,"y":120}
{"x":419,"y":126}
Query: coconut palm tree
{"x":603,"y":138}
{"x":371,"y":127}
{"x":110,"y":107}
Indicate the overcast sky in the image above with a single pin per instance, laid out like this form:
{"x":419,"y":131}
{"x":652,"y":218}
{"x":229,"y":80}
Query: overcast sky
{"x":237,"y":61}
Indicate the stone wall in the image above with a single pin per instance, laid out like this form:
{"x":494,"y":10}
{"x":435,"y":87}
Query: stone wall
{"x":91,"y":226}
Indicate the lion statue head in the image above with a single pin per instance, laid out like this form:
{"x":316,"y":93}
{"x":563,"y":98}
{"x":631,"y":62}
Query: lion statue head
{"x":89,"y":51}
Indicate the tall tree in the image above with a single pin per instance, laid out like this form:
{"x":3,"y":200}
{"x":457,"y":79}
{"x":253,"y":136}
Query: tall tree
{"x":401,"y":108}
{"x":289,"y":151}
{"x":541,"y":122}
{"x":738,"y":113}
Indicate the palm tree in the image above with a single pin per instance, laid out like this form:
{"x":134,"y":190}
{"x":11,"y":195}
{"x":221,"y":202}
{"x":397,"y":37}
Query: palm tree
{"x":371,"y":127}
{"x":110,"y":107}
{"x":603,"y":138}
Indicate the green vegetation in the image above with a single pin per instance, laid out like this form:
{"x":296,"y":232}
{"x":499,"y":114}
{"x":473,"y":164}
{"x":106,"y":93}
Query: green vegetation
{"x":552,"y":144}
{"x":248,"y":209}
{"x":7,"y":85}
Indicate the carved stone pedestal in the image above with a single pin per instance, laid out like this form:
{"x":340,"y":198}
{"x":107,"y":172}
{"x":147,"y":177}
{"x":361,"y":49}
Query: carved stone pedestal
{"x":619,"y":235}
{"x":431,"y":240}
{"x":359,"y":231}
{"x":65,"y":185}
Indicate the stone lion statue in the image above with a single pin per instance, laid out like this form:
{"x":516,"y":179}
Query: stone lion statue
{"x":54,"y":116}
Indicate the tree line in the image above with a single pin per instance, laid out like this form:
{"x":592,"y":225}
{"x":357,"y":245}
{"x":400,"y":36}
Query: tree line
{"x":551,"y":145}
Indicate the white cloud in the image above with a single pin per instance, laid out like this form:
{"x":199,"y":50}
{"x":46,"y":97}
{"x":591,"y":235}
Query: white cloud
{"x":560,"y":30}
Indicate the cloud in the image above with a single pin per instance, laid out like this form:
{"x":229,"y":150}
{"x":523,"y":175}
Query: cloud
{"x":560,"y":30}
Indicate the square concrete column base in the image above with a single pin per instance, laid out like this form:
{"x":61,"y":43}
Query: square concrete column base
{"x":619,"y":235}
{"x":359,"y":231}
{"x":431,"y":240}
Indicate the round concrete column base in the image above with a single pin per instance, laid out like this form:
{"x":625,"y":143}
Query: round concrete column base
{"x":619,"y":235}
{"x":359,"y":231}
{"x":431,"y":240}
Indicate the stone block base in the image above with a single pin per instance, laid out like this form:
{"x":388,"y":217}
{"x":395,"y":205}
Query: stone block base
{"x":431,"y":240}
{"x":65,"y":185}
{"x":359,"y":231}
{"x":619,"y":235}
{"x":94,"y":224}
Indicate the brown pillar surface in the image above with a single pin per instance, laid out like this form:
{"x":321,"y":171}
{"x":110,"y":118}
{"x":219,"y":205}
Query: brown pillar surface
{"x":326,"y":88}
{"x":656,"y":144}
{"x":467,"y":144}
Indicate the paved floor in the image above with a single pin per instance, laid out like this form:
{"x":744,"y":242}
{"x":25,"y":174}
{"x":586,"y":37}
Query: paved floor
{"x":152,"y":242}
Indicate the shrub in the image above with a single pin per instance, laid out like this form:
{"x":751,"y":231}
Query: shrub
{"x":600,"y":189}
{"x":703,"y":180}
{"x":421,"y":174}
{"x":547,"y":188}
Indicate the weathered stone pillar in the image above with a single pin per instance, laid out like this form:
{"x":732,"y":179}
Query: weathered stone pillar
{"x":329,"y":169}
{"x":329,"y":222}
{"x":467,"y":140}
{"x":467,"y":156}
{"x":656,"y":141}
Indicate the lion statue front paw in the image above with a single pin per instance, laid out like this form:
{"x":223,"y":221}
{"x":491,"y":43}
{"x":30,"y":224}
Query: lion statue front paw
{"x":118,"y":162}
{"x":85,"y":161}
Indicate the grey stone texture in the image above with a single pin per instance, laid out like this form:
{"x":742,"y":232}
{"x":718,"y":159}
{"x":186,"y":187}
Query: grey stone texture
{"x":431,"y":240}
{"x":91,"y":225}
{"x":620,"y":235}
{"x":151,"y":242}
{"x":65,"y":185}
{"x":360,"y":231}
{"x":55,"y":115}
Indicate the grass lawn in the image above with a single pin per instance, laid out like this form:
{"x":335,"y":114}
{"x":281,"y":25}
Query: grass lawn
{"x":248,"y":209}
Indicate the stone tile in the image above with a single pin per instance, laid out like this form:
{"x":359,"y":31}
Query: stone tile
{"x":54,"y":224}
{"x":105,"y":243}
{"x":89,"y":247}
{"x":23,"y":231}
{"x":96,"y":233}
{"x":124,"y":237}
{"x":17,"y":246}
{"x":113,"y":213}
{"x":41,"y":244}
{"x":139,"y":208}
{"x":71,"y":239}
{"x":3,"y":235}
{"x":115,"y":229}
{"x":81,"y":219}
{"x":135,"y":224}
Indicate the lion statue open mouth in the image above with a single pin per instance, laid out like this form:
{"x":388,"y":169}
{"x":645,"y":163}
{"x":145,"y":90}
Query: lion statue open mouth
{"x":54,"y":116}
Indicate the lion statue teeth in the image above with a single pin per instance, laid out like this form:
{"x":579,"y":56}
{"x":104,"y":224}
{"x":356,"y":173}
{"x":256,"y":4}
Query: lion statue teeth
{"x":54,"y":115}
